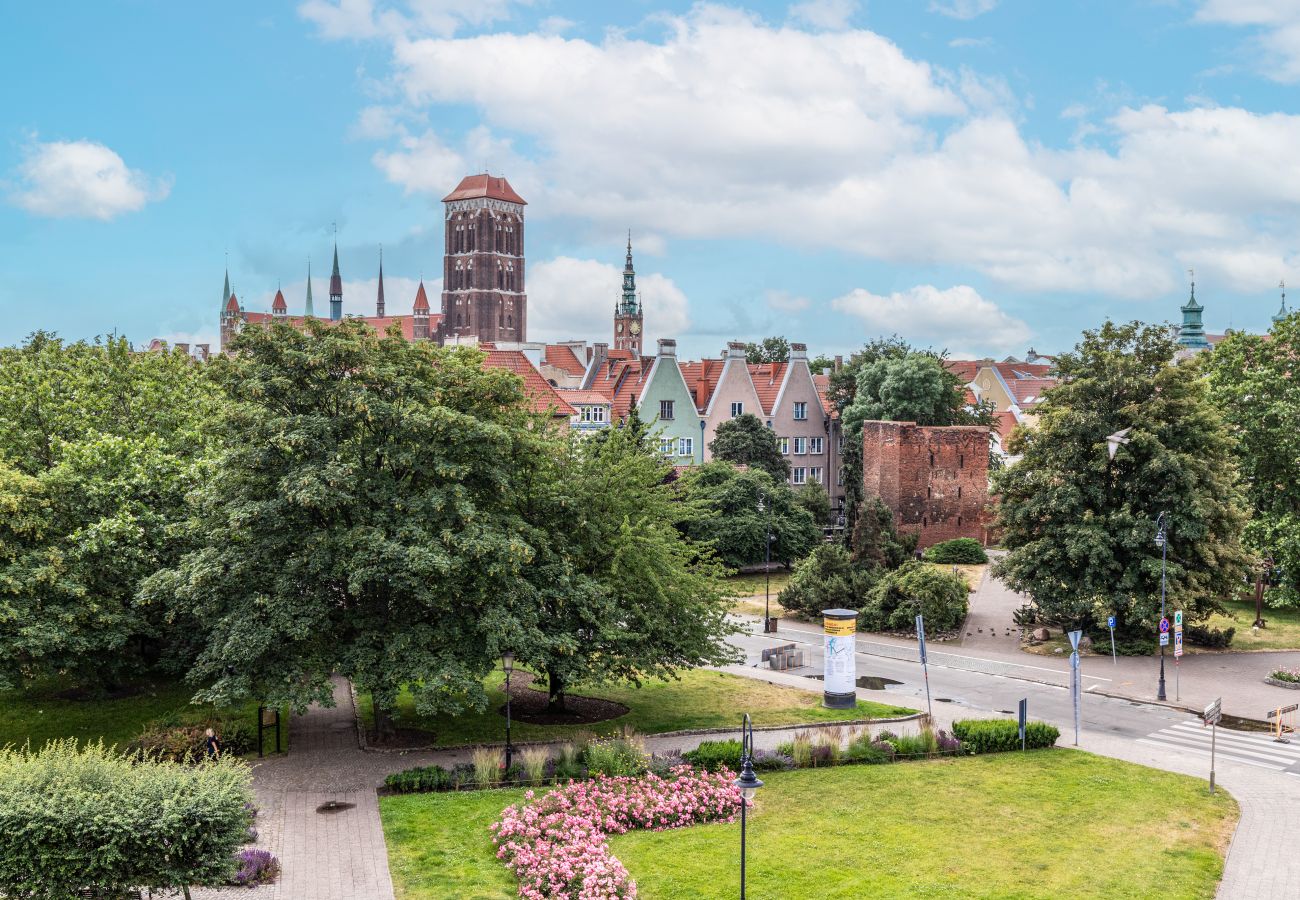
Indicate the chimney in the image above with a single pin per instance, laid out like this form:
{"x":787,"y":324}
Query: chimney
{"x":735,"y":350}
{"x":667,"y":347}
{"x":184,"y":348}
{"x":798,"y":351}
{"x":839,"y":363}
{"x":203,"y":351}
{"x":599,"y":353}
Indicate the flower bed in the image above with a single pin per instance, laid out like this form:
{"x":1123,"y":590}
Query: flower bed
{"x":1287,"y":678}
{"x":556,"y":844}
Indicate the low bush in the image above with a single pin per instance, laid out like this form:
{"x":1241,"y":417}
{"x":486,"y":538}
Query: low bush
{"x":1292,"y":676}
{"x":176,"y":740}
{"x":1213,"y":638}
{"x":623,"y":756}
{"x":535,"y":761}
{"x":768,"y":761}
{"x":965,"y":551}
{"x":826,"y":578}
{"x":1002,"y":735}
{"x":892,"y":605}
{"x":488,"y":764}
{"x":254,"y":867}
{"x":418,"y":780}
{"x":711,"y":756}
{"x":77,"y":819}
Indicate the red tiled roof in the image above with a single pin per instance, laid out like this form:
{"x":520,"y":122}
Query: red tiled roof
{"x":545,"y":398}
{"x":379,"y":323}
{"x":232,"y":305}
{"x":1030,"y":390}
{"x":586,"y":398}
{"x":968,"y":397}
{"x":823,"y":385}
{"x":767,"y":378}
{"x":1006,"y":423}
{"x":964,"y":368}
{"x":620,"y":380}
{"x":421,"y":298}
{"x":484,"y":185}
{"x":702,"y":379}
{"x":564,"y":359}
{"x":278,"y":302}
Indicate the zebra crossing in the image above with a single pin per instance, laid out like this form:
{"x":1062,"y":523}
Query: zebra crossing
{"x":1251,"y":748}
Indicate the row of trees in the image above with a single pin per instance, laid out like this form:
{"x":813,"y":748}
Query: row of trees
{"x":332,"y":501}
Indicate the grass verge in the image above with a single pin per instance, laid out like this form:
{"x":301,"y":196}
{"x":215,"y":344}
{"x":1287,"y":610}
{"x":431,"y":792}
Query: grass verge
{"x":1048,"y":824}
{"x":702,"y":698}
{"x":1282,"y":633}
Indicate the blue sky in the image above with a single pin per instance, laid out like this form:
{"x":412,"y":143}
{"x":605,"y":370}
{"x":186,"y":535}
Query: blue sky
{"x":983,"y":175}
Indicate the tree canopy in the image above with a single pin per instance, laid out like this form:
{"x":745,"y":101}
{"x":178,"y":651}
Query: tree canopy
{"x":1254,"y":382}
{"x":1080,"y":526}
{"x":746,"y":441}
{"x":769,"y":350}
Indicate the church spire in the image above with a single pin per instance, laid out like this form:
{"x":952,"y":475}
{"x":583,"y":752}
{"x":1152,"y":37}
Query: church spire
{"x":628,"y":305}
{"x":336,"y":283}
{"x":1282,"y":313}
{"x":379,"y":298}
{"x":310,"y":313}
{"x":1192,"y":332}
{"x":225,"y":290}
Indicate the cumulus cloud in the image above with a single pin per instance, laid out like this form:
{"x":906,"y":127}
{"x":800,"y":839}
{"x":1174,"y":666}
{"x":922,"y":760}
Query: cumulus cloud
{"x":1277,"y":24}
{"x":832,"y":14}
{"x":962,"y":9}
{"x":784,"y":301}
{"x":574,"y":298}
{"x":423,"y":163}
{"x":957,"y":318}
{"x":82,"y":179}
{"x":360,"y":19}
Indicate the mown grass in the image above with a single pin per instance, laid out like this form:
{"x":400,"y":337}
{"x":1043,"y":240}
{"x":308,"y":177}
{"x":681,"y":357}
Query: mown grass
{"x":1282,"y":633}
{"x":702,"y":698}
{"x":38,"y":715}
{"x":1039,"y":825}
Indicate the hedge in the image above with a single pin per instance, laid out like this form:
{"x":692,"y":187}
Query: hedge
{"x":957,"y":551}
{"x":89,"y":819}
{"x":1002,"y":735}
{"x":713,"y":755}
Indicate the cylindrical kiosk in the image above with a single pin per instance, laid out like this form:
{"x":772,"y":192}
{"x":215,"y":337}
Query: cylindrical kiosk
{"x":840,"y":654}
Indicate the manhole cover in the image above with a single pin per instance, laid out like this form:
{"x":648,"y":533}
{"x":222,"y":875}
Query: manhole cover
{"x":334,"y":806}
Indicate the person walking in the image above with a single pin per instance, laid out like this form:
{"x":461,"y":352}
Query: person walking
{"x":211,"y":745}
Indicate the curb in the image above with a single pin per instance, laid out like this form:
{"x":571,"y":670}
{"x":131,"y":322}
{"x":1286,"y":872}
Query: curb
{"x":1278,"y":682}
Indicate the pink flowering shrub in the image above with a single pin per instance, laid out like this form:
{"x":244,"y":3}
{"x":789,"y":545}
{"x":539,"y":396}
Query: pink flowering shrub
{"x":556,"y":844}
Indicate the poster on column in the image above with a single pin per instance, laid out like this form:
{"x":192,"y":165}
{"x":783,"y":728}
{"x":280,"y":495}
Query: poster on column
{"x":840,"y":672}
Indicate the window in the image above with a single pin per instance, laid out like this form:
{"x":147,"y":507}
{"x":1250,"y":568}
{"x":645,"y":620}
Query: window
{"x":815,"y":446}
{"x":737,"y":409}
{"x":783,"y":444}
{"x":815,"y":474}
{"x":961,"y":461}
{"x":665,"y":410}
{"x":800,"y":475}
{"x":593,"y":414}
{"x":666,"y":446}
{"x":840,"y":443}
{"x":800,"y":411}
{"x":800,"y":446}
{"x":839,"y":478}
{"x":959,"y":492}
{"x":685,"y":446}
{"x":932,"y":459}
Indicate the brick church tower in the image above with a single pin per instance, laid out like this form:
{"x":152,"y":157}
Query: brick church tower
{"x":627,"y":312}
{"x":483,"y":265}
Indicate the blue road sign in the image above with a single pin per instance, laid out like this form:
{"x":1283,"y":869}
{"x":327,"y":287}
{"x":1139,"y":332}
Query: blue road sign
{"x":1164,"y":626}
{"x":1110,"y":621}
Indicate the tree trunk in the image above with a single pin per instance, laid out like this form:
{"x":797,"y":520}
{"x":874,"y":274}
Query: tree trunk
{"x":554,"y":692}
{"x":383,"y":722}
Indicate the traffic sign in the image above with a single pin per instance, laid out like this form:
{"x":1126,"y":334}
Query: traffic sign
{"x":1178,"y":618}
{"x":1164,"y":639}
{"x":1110,"y":621}
{"x":1178,"y":644}
{"x":1164,"y":626}
{"x":1214,"y":712}
{"x":1074,"y":639}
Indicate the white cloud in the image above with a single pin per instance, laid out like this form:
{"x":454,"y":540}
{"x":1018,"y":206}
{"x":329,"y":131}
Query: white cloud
{"x":970,"y":42}
{"x":424,"y":164}
{"x":784,"y":301}
{"x":1277,"y":46}
{"x":82,"y":179}
{"x":962,"y":9}
{"x":957,"y":318}
{"x":830,"y":14}
{"x":361,"y":19}
{"x":574,"y":299}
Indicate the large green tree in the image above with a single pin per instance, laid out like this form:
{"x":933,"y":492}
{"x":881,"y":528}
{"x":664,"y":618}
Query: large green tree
{"x":99,"y":447}
{"x":746,"y":441}
{"x":1080,"y":526}
{"x":1254,"y":382}
{"x":359,"y":520}
{"x":614,"y":592}
{"x":769,"y":350}
{"x":733,"y":523}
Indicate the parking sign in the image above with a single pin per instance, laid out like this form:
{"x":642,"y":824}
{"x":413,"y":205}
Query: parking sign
{"x":1178,"y":644}
{"x":1110,"y":621}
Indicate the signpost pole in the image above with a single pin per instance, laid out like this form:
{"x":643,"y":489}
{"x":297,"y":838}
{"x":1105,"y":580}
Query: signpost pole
{"x":1075,"y":679}
{"x":925,"y":668}
{"x":1024,"y":714}
{"x":1110,"y":623}
{"x":1213,"y":733}
{"x":1178,"y":651}
{"x":1211,"y":717}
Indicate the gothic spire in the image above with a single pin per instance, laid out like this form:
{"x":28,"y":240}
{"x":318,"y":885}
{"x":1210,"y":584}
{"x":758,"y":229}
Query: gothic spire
{"x":336,"y":284}
{"x":628,"y":305}
{"x":1282,"y":313}
{"x":225,"y":290}
{"x":309,"y":312}
{"x":379,"y":298}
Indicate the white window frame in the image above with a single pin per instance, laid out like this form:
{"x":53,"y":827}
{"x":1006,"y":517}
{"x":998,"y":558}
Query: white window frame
{"x":815,"y":446}
{"x":783,"y":444}
{"x":686,"y":446}
{"x":815,"y":474}
{"x":666,"y":406}
{"x":800,"y":446}
{"x":666,"y":446}
{"x":799,"y":475}
{"x":737,"y":408}
{"x":800,"y":411}
{"x":593,"y":414}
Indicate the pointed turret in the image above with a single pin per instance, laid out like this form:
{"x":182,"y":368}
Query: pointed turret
{"x":225,"y":290}
{"x":421,"y":299}
{"x":420,"y":315}
{"x":1282,"y":313}
{"x":1192,"y":333}
{"x":336,"y":287}
{"x":279,"y":309}
{"x":379,"y":298}
{"x":627,"y":305}
{"x":308,"y":311}
{"x":627,"y":311}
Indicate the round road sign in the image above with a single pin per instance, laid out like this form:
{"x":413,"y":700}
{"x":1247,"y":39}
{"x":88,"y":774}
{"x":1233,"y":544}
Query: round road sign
{"x":1164,"y":626}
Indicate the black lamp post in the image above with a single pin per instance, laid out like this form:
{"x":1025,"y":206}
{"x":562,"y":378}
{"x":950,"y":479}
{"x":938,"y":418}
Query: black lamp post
{"x":765,"y":503}
{"x":748,"y":783}
{"x":1162,"y":541}
{"x":508,"y":663}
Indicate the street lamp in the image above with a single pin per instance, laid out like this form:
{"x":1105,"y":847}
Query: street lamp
{"x":1162,"y":541}
{"x":508,"y":663}
{"x":749,"y":784}
{"x":768,"y":624}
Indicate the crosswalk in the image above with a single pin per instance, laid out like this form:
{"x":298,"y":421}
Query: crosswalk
{"x":1252,"y":748}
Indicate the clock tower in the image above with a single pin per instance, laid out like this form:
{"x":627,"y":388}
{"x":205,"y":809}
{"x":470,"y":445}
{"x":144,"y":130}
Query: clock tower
{"x":627,"y":311}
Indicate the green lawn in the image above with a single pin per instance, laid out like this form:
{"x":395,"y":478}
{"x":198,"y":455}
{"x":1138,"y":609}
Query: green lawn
{"x":701,"y":699}
{"x":1046,"y":824}
{"x":40,"y":716}
{"x":1282,"y":633}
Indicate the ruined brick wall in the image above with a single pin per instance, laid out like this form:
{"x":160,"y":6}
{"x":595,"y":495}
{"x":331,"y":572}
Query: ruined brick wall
{"x":934,"y":480}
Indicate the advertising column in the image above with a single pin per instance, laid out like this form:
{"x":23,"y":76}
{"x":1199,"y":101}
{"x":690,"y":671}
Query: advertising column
{"x":841,"y":669}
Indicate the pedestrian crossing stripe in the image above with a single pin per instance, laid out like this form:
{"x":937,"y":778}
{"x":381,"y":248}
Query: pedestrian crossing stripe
{"x":1252,"y":749}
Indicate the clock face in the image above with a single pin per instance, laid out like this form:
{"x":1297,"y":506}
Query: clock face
{"x":636,"y":327}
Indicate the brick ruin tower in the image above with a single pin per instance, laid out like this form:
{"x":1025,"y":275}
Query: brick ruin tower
{"x":483,"y":292}
{"x":627,"y":312}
